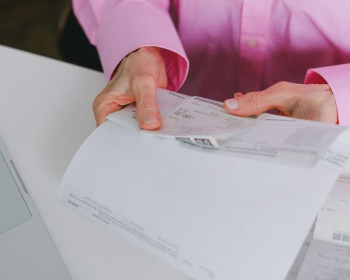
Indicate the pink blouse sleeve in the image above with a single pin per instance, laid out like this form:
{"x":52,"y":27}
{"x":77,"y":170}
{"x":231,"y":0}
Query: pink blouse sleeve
{"x":338,"y":78}
{"x":119,"y":27}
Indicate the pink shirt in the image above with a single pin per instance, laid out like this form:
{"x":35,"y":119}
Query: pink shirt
{"x":216,"y":48}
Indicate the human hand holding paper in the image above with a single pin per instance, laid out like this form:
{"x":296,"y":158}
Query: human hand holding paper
{"x":311,"y":102}
{"x":136,"y":80}
{"x":204,"y":122}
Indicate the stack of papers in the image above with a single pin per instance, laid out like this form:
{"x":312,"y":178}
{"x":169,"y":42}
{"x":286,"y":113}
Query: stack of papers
{"x":238,"y":209}
{"x":205,"y":123}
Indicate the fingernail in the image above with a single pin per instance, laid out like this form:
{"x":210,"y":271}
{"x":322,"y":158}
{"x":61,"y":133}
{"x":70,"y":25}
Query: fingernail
{"x":150,"y":120}
{"x":232,"y":104}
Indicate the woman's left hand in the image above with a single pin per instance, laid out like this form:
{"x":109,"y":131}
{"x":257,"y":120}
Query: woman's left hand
{"x":312,"y":102}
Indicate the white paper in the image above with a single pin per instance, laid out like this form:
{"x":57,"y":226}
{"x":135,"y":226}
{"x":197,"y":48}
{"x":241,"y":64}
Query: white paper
{"x":210,"y":215}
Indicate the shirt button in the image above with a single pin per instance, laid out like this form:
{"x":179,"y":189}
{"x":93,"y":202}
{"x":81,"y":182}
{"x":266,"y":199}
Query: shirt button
{"x":252,"y":42}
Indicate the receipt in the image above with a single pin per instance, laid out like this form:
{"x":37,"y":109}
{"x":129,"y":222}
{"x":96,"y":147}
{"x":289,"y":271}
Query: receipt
{"x":200,"y":117}
{"x":333,"y":223}
{"x":329,"y":254}
{"x":205,"y":123}
{"x":167,"y":101}
{"x":326,"y":261}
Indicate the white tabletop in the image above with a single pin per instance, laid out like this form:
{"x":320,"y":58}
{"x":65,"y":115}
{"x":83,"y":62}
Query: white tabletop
{"x":45,"y":114}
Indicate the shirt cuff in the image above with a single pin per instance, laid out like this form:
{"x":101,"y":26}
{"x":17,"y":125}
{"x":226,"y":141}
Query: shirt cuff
{"x":337,"y":77}
{"x":129,"y":26}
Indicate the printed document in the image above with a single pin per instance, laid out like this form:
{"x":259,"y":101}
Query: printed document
{"x":205,"y":123}
{"x":328,"y":257}
{"x":211,"y":214}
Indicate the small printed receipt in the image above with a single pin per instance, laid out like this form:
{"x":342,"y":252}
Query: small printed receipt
{"x":205,"y":123}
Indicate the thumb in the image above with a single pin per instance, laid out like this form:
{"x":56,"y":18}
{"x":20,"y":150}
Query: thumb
{"x":252,"y":103}
{"x":148,"y":114}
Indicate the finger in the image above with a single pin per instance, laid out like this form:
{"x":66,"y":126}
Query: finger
{"x":250,"y":104}
{"x":103,"y":106}
{"x":238,"y":94}
{"x":283,"y":96}
{"x":146,"y":103}
{"x":111,"y":99}
{"x":232,"y":104}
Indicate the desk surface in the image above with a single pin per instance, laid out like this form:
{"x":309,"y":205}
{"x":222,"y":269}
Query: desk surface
{"x":45,"y":114}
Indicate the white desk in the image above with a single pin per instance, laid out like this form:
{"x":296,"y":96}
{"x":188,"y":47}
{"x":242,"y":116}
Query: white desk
{"x":45,"y":114}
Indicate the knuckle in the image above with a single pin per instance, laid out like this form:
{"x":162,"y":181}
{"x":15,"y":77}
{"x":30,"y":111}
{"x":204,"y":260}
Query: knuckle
{"x":253,"y":100}
{"x":144,"y":87}
{"x":143,"y":82}
{"x":282,"y":87}
{"x":282,"y":84}
{"x":96,"y":103}
{"x":144,"y":78}
{"x":147,"y":104}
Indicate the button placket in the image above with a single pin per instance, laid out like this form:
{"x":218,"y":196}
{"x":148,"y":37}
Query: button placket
{"x":253,"y":34}
{"x":253,"y":42}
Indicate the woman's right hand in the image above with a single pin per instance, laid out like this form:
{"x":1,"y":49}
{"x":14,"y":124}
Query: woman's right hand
{"x":136,"y":80}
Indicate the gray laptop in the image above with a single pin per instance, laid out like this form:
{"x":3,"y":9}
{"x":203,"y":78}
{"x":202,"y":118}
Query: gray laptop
{"x":26,"y":249}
